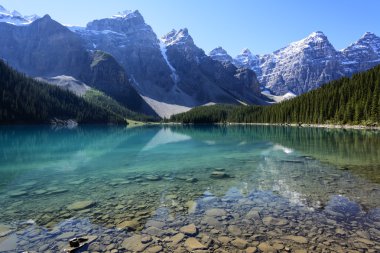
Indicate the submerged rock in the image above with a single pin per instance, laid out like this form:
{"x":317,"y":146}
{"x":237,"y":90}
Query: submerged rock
{"x":153,"y":178}
{"x":5,"y":230}
{"x":134,"y":244}
{"x":268,"y":220}
{"x":17,"y":193}
{"x":216,"y":212}
{"x":189,"y":230}
{"x":239,"y":243}
{"x":193,"y":244}
{"x":130,"y":225}
{"x":219,"y":175}
{"x":297,"y":239}
{"x":80,"y":205}
{"x":266,"y":248}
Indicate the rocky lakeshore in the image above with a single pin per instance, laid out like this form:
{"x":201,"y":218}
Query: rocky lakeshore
{"x":166,"y":213}
{"x":159,"y":192}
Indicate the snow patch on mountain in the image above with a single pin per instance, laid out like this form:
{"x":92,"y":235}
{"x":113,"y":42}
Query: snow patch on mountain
{"x":174,"y":75}
{"x":175,"y":37}
{"x":15,"y":18}
{"x":127,"y":14}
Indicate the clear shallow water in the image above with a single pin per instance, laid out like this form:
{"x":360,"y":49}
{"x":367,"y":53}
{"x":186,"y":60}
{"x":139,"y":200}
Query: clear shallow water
{"x":274,"y":188}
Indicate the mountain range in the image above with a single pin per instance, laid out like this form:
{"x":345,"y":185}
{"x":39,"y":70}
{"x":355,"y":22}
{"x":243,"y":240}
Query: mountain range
{"x":122,"y":57}
{"x":306,"y":64}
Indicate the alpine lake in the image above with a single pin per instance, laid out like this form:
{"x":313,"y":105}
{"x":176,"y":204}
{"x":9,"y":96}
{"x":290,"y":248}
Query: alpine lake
{"x":189,"y":189}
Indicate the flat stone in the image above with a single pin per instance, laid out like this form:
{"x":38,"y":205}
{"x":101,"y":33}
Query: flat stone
{"x":216,"y":212}
{"x":266,"y":248}
{"x":154,"y":223}
{"x":40,"y":192}
{"x":251,"y":250}
{"x":278,"y":246}
{"x":66,"y":235}
{"x":365,"y":241}
{"x":235,"y":230}
{"x":80,"y":205}
{"x":268,"y":220}
{"x":239,"y":243}
{"x":153,"y":231}
{"x":154,"y":249}
{"x":219,"y":175}
{"x":300,"y":251}
{"x":146,"y":239}
{"x":253,"y":214}
{"x":5,"y":230}
{"x":130,"y":225}
{"x":134,"y":244}
{"x":192,"y":206}
{"x":224,"y":239}
{"x":15,"y":194}
{"x":153,"y":178}
{"x":211,"y":221}
{"x":193,"y":244}
{"x":192,"y":180}
{"x":189,"y":230}
{"x":8,"y":243}
{"x":177,"y":238}
{"x":297,"y":239}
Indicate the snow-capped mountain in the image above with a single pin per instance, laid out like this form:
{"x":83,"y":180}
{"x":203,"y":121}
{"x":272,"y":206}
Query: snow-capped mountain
{"x":247,"y":59}
{"x":219,"y":54}
{"x":15,"y":18}
{"x":171,"y":73}
{"x":363,"y":54}
{"x":307,"y":64}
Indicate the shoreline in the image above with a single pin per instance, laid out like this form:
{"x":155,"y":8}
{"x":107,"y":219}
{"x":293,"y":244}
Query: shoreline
{"x":328,"y":126}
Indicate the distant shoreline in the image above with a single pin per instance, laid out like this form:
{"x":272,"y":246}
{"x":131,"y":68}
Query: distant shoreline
{"x":330,"y":126}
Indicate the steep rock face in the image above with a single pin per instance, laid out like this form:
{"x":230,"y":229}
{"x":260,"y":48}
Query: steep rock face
{"x":363,"y":54}
{"x":171,"y":71}
{"x":219,"y":54}
{"x":135,"y":46}
{"x":206,"y":79}
{"x":47,"y":49}
{"x":108,"y":76}
{"x":300,"y":67}
{"x":248,"y":60}
{"x":43,"y":48}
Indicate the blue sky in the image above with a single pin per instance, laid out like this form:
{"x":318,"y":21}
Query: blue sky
{"x":262,"y":26}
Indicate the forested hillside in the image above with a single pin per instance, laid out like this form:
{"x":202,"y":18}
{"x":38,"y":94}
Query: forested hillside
{"x":354,"y":100}
{"x":25,"y":100}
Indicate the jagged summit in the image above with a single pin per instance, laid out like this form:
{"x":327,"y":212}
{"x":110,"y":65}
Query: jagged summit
{"x":127,"y":14}
{"x":220,"y":54}
{"x":369,"y":35}
{"x":15,"y":18}
{"x":219,"y":51}
{"x":175,"y":37}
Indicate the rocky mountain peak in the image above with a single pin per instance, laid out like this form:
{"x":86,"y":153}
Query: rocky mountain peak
{"x":220,"y":54}
{"x":125,"y":22}
{"x":246,"y":52}
{"x":175,"y":37}
{"x":15,"y":18}
{"x":128,"y":14}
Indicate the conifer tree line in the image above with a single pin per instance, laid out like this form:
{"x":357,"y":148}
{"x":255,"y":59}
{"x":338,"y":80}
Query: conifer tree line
{"x":354,"y":100}
{"x":25,"y":100}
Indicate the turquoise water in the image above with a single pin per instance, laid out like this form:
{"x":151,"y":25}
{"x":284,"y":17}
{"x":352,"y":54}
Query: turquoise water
{"x":243,"y":187}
